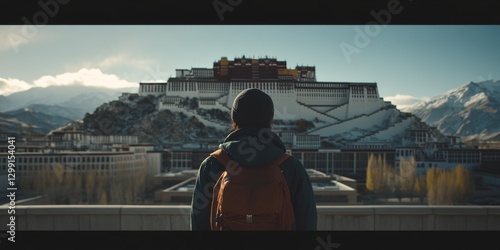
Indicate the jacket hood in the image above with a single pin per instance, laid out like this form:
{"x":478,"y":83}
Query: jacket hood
{"x":253,"y":146}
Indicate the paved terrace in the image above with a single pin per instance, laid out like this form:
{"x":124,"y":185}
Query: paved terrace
{"x":176,"y":217}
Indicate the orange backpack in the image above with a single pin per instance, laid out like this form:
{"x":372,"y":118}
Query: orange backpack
{"x":251,"y":198}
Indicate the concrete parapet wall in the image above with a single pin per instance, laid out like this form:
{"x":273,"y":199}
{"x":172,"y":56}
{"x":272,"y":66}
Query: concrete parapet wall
{"x":176,"y":217}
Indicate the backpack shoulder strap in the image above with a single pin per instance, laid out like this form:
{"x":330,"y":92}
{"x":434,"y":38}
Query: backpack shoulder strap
{"x":221,"y":156}
{"x":282,"y":159}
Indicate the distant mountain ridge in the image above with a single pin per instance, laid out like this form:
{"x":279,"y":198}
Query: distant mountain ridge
{"x":52,"y":107}
{"x":10,"y":124}
{"x":471,"y":111}
{"x":77,"y":97}
{"x":40,"y":122}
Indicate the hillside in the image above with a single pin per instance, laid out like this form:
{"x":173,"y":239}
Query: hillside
{"x":139,"y":116}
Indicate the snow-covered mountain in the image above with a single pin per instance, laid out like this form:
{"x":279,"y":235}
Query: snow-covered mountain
{"x":84,"y":98}
{"x":51,"y":107}
{"x":471,"y":111}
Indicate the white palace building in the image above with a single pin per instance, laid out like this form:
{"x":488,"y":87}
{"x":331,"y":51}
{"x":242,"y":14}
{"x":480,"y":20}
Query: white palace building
{"x":350,"y":119}
{"x":296,"y":93}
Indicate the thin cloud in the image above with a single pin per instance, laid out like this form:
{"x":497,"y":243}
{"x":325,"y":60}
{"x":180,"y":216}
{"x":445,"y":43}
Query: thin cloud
{"x":404,"y":101}
{"x":112,"y":61}
{"x":121,"y":60}
{"x":10,"y":86}
{"x":85,"y":77}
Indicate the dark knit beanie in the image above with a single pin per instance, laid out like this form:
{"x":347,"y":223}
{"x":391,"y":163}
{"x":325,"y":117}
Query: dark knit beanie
{"x":252,"y":108}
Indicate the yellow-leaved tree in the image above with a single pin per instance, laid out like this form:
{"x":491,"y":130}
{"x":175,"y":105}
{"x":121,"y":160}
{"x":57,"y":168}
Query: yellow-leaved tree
{"x":449,"y":187}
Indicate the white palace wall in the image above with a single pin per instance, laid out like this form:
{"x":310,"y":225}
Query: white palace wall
{"x":328,"y":102}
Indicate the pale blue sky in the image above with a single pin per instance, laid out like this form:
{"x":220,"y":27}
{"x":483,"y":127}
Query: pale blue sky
{"x":417,"y":61}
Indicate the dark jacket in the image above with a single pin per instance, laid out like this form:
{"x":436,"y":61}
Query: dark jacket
{"x":253,"y":147}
